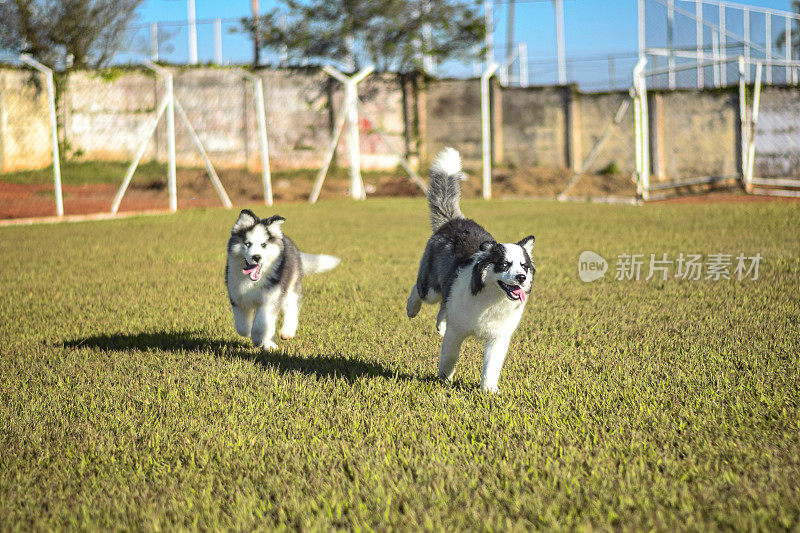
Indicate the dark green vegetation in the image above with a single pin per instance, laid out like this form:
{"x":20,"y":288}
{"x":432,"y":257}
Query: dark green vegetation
{"x":128,"y":400}
{"x":81,"y":173}
{"x":148,"y":173}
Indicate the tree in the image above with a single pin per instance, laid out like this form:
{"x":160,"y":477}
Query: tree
{"x":391,"y":34}
{"x":780,"y":42}
{"x":60,"y":33}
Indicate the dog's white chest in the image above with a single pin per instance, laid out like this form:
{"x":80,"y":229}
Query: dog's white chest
{"x":486,"y":314}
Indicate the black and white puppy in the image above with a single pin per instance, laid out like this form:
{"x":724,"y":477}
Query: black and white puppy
{"x":263,"y":274}
{"x":482,"y":285}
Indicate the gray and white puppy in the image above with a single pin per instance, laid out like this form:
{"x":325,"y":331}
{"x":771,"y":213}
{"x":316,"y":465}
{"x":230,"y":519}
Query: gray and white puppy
{"x":263,"y":274}
{"x":482,"y":285}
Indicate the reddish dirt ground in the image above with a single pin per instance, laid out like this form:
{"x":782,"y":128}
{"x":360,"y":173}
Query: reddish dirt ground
{"x":194,"y":190}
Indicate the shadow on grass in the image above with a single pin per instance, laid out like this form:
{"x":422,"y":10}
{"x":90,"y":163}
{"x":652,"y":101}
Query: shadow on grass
{"x":319,"y":365}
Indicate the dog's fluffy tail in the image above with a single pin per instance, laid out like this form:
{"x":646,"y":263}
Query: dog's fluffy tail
{"x":317,"y":264}
{"x":444,"y":193}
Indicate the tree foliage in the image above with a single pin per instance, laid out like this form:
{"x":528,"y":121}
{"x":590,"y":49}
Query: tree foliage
{"x":795,"y":32}
{"x":391,"y":34}
{"x":83,"y":33}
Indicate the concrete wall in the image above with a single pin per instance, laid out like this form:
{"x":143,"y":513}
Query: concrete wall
{"x":453,"y":118}
{"x":24,"y":121}
{"x":698,"y":134}
{"x":106,"y":119}
{"x":595,"y":113}
{"x":693,"y":133}
{"x":534,"y":128}
{"x":299,"y":119}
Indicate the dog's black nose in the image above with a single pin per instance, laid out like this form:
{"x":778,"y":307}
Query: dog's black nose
{"x":520,"y":278}
{"x":257,"y":259}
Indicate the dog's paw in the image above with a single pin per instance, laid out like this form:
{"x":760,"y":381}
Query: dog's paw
{"x":269,"y":346}
{"x":413,"y":306}
{"x":287,"y":336}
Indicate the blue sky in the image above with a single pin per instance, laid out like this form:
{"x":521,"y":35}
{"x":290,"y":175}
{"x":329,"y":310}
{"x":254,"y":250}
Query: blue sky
{"x":593,"y":28}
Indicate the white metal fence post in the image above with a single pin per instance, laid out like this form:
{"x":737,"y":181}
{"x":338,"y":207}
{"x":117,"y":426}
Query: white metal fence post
{"x":641,"y":28}
{"x":356,"y":190}
{"x":641,"y":131}
{"x":715,"y":52}
{"x":788,"y":47}
{"x":489,"y":27}
{"x":723,"y":43}
{"x":351,"y":98}
{"x":751,"y":141}
{"x":699,"y":41}
{"x":51,"y":105}
{"x":746,"y":15}
{"x":486,"y":129}
{"x":218,"y":41}
{"x":266,"y":175}
{"x":154,"y":42}
{"x":768,"y":37}
{"x":192,"y":33}
{"x":263,"y":140}
{"x":671,"y":42}
{"x":171,"y":173}
{"x":742,"y":120}
{"x":162,"y":106}
{"x":523,"y":65}
{"x":558,"y":5}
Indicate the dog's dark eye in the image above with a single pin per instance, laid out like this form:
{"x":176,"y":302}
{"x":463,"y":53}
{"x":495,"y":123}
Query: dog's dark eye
{"x":248,"y":244}
{"x":524,"y":267}
{"x":506,"y":265}
{"x":264,"y":245}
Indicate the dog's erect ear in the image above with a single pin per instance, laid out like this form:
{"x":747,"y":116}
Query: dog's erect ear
{"x":486,"y":245}
{"x":246,"y":219}
{"x":273,"y":224}
{"x":527,"y":243}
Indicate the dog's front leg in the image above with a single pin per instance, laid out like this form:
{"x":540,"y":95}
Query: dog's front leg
{"x":451,"y":349}
{"x":441,"y":319}
{"x":493,"y":357}
{"x":414,"y":302}
{"x":264,"y":327}
{"x":242,"y":320}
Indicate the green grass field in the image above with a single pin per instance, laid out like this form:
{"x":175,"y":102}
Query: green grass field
{"x":128,"y":402}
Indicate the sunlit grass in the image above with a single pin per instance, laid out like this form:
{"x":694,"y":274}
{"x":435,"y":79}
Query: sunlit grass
{"x":128,"y":401}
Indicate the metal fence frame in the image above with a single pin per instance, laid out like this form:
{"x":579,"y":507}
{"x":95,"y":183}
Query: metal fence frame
{"x":721,"y":37}
{"x":51,"y":103}
{"x":787,"y":187}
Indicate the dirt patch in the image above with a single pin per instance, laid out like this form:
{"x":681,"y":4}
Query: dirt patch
{"x":243,"y":187}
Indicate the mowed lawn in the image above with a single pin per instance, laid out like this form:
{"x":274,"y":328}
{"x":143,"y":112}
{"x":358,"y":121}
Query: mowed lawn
{"x":127,"y":400}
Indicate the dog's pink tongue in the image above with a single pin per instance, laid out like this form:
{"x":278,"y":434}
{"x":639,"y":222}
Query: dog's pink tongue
{"x":254,"y":272}
{"x":519,"y":293}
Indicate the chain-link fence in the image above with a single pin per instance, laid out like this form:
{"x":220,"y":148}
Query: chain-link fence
{"x":25,"y":128}
{"x":706,"y":35}
{"x":29,"y":149}
{"x":775,"y":143}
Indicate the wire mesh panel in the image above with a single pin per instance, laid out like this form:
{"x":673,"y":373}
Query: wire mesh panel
{"x":693,"y":135}
{"x":685,"y":33}
{"x":219,"y":106}
{"x":26,"y":154}
{"x":300,"y":112}
{"x":107,"y":117}
{"x":777,"y":139}
{"x":25,"y":126}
